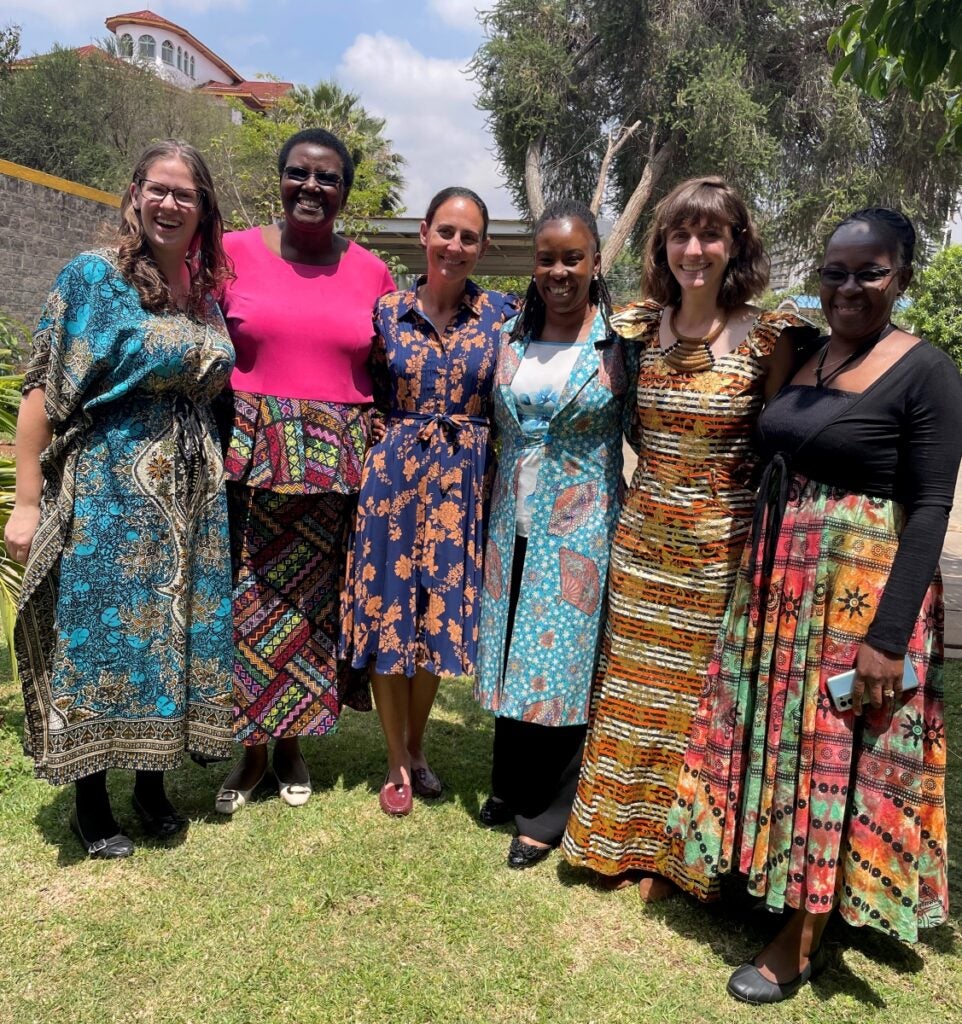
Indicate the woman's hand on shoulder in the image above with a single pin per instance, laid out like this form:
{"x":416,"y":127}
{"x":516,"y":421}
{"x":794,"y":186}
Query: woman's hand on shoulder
{"x":20,"y":530}
{"x":878,"y":676}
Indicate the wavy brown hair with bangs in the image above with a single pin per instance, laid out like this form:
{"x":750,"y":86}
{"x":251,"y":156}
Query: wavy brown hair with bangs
{"x":209,"y":266}
{"x":705,"y":201}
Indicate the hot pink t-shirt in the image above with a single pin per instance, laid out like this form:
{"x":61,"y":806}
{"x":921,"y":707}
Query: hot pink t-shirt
{"x":301,"y":331}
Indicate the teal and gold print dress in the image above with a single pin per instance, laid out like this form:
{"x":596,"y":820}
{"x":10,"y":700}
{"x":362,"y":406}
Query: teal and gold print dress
{"x":124,"y":634}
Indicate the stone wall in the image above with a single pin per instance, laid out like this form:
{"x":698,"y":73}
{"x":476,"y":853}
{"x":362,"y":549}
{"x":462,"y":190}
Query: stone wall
{"x":44,"y":222}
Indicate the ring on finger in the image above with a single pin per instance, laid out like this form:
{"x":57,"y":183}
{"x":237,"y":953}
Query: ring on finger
{"x":888,"y":694}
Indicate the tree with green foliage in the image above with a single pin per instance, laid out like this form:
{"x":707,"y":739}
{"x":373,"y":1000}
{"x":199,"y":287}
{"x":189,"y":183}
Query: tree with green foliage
{"x":616,"y":101}
{"x":246,"y":156}
{"x":9,"y":48}
{"x":936,"y":310}
{"x":913,"y":44}
{"x":115,"y":109}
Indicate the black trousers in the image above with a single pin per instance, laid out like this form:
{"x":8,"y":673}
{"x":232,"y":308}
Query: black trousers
{"x":535,"y":771}
{"x":535,"y":768}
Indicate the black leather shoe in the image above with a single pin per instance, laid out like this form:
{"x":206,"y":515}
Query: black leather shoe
{"x":159,"y":826}
{"x":524,"y":855}
{"x":750,"y":986}
{"x":112,"y":848}
{"x":494,"y":812}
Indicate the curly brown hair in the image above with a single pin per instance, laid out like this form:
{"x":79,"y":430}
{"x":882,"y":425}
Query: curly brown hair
{"x":698,"y":201}
{"x":209,"y":264}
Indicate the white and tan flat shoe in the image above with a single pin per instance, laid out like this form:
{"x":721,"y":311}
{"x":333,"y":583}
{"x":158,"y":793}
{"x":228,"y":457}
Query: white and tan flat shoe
{"x":230,"y":799}
{"x":294,"y":794}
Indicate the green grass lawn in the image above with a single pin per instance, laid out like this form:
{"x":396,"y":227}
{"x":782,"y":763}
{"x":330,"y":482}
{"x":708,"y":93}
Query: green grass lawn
{"x":334,"y":912}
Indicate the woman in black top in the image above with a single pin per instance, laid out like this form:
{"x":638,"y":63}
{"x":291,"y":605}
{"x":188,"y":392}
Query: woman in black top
{"x":822,"y":807}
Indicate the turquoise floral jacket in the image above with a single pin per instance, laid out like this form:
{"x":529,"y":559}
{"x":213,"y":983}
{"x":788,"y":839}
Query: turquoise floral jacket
{"x":547,"y":675}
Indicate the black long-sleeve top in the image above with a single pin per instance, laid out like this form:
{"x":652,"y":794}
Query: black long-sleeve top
{"x":901,"y":438}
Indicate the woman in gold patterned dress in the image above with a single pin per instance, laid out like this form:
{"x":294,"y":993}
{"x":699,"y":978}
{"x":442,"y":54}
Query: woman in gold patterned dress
{"x":708,"y":360}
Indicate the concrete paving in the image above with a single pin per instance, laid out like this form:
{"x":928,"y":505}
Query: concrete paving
{"x":952,"y":575}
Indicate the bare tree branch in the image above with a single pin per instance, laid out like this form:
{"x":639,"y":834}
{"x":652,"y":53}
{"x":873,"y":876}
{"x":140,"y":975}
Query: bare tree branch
{"x":614,"y":144}
{"x":532,"y":176}
{"x":638,"y":200}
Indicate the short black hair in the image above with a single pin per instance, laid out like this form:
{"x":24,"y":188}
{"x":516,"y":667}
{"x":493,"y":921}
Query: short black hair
{"x":319,"y":137}
{"x":456,"y":192}
{"x":892,"y":223}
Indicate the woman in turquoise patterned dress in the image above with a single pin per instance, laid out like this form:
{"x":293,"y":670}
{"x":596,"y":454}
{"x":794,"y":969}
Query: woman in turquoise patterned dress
{"x":560,"y":396}
{"x":124,"y":633}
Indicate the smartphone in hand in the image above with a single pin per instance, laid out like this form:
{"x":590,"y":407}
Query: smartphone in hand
{"x":840,"y":687}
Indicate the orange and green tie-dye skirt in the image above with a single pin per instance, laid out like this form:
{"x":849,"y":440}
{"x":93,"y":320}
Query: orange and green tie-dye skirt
{"x":806,"y":801}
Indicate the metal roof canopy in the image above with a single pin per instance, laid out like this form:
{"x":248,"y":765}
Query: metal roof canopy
{"x":509,"y":254}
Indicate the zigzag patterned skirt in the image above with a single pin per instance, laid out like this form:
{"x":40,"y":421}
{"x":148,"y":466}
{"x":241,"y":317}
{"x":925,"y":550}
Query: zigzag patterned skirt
{"x":289,"y":553}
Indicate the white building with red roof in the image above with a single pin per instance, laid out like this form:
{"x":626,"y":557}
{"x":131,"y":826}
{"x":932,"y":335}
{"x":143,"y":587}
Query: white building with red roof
{"x":183,"y":60}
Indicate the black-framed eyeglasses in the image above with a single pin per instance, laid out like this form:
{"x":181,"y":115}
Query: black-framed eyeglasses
{"x":836,"y":277}
{"x":188,"y":198}
{"x":326,"y":179}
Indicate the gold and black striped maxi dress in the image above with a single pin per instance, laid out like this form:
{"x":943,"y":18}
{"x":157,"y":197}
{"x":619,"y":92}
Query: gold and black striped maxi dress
{"x":673,"y":564}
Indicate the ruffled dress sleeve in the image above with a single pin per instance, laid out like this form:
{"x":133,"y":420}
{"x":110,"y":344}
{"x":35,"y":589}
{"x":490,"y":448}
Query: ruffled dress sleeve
{"x":769,"y":327}
{"x":638,"y":320}
{"x":636,"y":324}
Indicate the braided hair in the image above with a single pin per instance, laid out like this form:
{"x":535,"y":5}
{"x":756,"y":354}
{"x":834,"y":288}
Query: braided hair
{"x":892,"y":223}
{"x":530,"y":321}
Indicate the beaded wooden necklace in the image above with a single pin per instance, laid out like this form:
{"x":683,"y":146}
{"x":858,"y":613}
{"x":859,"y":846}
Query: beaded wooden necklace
{"x":691,"y":355}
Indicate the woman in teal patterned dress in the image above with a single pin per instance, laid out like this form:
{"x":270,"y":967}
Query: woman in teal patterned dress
{"x":124,"y":634}
{"x":561,"y":400}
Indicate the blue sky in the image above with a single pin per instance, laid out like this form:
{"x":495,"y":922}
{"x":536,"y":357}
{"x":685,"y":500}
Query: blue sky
{"x":406,"y":60}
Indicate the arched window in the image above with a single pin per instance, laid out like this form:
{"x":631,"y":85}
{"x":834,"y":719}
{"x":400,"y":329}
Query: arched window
{"x":167,"y":52}
{"x":147,"y":47}
{"x":180,"y":59}
{"x":125,"y":45}
{"x":191,"y":67}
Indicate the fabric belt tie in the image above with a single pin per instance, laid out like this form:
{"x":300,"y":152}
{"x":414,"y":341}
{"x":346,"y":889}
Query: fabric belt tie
{"x":449,"y":425}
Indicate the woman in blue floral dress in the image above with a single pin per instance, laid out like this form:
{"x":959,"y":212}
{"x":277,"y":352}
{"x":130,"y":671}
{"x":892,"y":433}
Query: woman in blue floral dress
{"x":124,"y":634}
{"x":562,"y":398}
{"x":414,"y":576}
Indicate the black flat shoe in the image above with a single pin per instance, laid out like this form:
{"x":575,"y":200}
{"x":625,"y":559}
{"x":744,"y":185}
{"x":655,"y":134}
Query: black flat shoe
{"x":159,"y":826}
{"x":524,"y":855}
{"x":112,"y":848}
{"x":495,"y":812}
{"x":750,"y":986}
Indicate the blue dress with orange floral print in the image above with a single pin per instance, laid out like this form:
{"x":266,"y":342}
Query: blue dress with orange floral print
{"x":414,"y":573}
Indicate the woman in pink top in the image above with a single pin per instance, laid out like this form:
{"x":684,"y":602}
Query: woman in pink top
{"x":299,"y":314}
